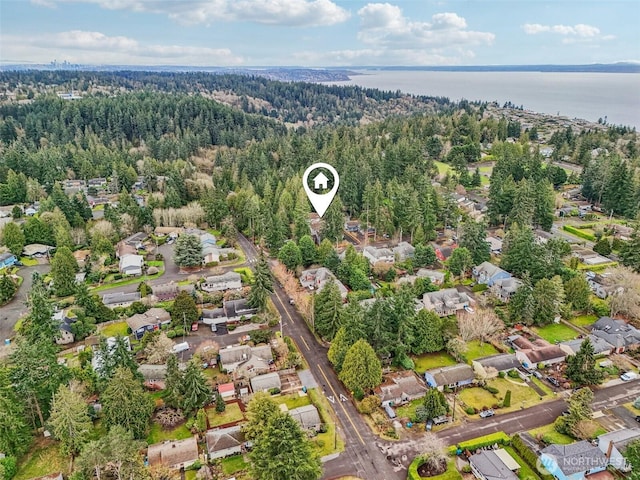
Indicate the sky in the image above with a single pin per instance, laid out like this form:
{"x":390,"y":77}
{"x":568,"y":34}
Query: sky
{"x":318,"y":33}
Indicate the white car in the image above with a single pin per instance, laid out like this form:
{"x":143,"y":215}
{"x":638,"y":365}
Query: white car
{"x":628,"y":376}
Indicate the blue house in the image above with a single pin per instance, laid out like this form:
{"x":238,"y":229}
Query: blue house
{"x":7,"y":260}
{"x":574,"y":461}
{"x":487,"y":273}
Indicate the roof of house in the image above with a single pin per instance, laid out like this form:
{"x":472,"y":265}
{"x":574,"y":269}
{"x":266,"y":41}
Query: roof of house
{"x":307,"y":416}
{"x":491,"y":466}
{"x":266,"y":382}
{"x":226,"y":387}
{"x":510,"y":284}
{"x":224,"y":438}
{"x":173,"y":452}
{"x":600,"y":345}
{"x":620,"y":438}
{"x":519,"y":342}
{"x":494,"y":243}
{"x":501,"y":361}
{"x":5,"y":256}
{"x":130,"y":260}
{"x":152,"y":372}
{"x":617,"y":332}
{"x":398,"y":383}
{"x":111,"y":298}
{"x":317,"y":278}
{"x":238,"y":308}
{"x":234,"y":354}
{"x":153,"y":316}
{"x":576,"y":457}
{"x":404,"y":248}
{"x":448,"y":297}
{"x":135,"y":238}
{"x":225,"y":277}
{"x":35,"y":248}
{"x":170,"y":287}
{"x":544,"y":354}
{"x":213,"y":313}
{"x":451,"y":374}
{"x":123,"y":249}
{"x":426,"y":273}
{"x":377,"y":253}
{"x":489,"y":269}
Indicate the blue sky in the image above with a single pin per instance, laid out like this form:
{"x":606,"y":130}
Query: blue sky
{"x":319,"y":32}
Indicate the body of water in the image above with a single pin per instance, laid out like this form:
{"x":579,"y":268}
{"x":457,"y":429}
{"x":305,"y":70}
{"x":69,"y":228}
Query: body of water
{"x":589,"y":96}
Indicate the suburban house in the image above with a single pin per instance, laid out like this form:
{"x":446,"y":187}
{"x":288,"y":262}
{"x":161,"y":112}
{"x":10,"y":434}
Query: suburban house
{"x":494,"y":465}
{"x":375,"y":255}
{"x":171,"y":232}
{"x":113,"y":300}
{"x":213,"y":316}
{"x":505,"y":288}
{"x":36,"y":250}
{"x":540,"y":356}
{"x":266,"y":382}
{"x":489,"y":367}
{"x":452,"y":376}
{"x":587,"y":256}
{"x":224,"y":442}
{"x":165,"y":291}
{"x":614,"y":444}
{"x":495,"y":245}
{"x":573,"y":461}
{"x":152,"y":319}
{"x":215,"y":254}
{"x":601,"y":284}
{"x":403,"y":251}
{"x":447,"y":302}
{"x":434,"y":276}
{"x":352,"y":226}
{"x":400,"y":387}
{"x":136,"y":239}
{"x":220,"y":283}
{"x":237,"y":310}
{"x":443,"y":252}
{"x":131,"y":264}
{"x":153,"y":375}
{"x":600,"y":345}
{"x":232,"y":357}
{"x":123,"y":249}
{"x":227,"y":391}
{"x":487,"y":273}
{"x":7,"y":260}
{"x":174,"y":454}
{"x":618,"y":333}
{"x":316,"y":279}
{"x":82,"y":256}
{"x":64,"y":320}
{"x":307,"y":416}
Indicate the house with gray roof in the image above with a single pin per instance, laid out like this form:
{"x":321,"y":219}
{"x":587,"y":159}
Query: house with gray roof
{"x":152,"y":319}
{"x":317,"y":278}
{"x":600,"y":345}
{"x":165,"y":291}
{"x":400,"y":387}
{"x":224,"y":442}
{"x":307,"y":416}
{"x":237,"y":310}
{"x":573,"y":461}
{"x":131,"y":264}
{"x":491,"y":366}
{"x":490,"y":465}
{"x":266,"y":382}
{"x":220,"y":283}
{"x":403,"y":251}
{"x":447,"y":302}
{"x":253,"y":360}
{"x":618,"y":333}
{"x":375,"y":255}
{"x":614,"y":444}
{"x":451,"y":376}
{"x":505,"y":288}
{"x":113,"y":300}
{"x":487,"y":273}
{"x":434,"y":276}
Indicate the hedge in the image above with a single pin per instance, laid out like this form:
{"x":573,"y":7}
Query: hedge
{"x":485,"y":441}
{"x":578,"y":233}
{"x":528,"y":456}
{"x":450,"y":474}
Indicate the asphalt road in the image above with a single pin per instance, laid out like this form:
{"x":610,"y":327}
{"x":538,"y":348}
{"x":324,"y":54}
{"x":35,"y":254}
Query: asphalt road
{"x":16,"y":308}
{"x":362,"y":457}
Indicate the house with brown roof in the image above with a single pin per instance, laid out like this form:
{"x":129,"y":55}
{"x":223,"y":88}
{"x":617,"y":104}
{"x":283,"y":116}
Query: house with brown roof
{"x":491,"y":366}
{"x":174,"y":454}
{"x":399,"y":388}
{"x":224,"y":442}
{"x":123,"y":249}
{"x":540,"y":356}
{"x":151,"y":320}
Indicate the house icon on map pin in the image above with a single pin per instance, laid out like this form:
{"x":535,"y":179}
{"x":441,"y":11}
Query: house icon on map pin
{"x":320,"y":182}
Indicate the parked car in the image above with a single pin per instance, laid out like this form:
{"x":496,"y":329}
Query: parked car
{"x":19,"y":264}
{"x":291,"y":301}
{"x":487,"y":413}
{"x":625,"y":377}
{"x":429,"y":425}
{"x":553,"y":381}
{"x":638,"y":418}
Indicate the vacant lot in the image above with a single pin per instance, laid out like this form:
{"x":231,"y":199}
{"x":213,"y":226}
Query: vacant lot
{"x":556,"y":332}
{"x":433,"y":360}
{"x":293,"y":401}
{"x":477,"y":398}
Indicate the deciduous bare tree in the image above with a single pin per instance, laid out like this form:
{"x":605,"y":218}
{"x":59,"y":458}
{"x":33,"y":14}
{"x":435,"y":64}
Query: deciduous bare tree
{"x":481,"y":325}
{"x":625,"y":300}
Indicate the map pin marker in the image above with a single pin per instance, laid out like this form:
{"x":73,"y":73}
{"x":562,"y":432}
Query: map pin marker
{"x":320,"y":181}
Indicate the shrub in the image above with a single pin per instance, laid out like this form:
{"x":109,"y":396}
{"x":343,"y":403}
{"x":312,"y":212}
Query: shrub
{"x":323,"y":428}
{"x":491,"y":389}
{"x":8,"y":466}
{"x":528,"y":456}
{"x":171,"y":334}
{"x":466,"y":469}
{"x":358,"y":394}
{"x":578,"y":233}
{"x":117,"y":276}
{"x":514,"y":373}
{"x":231,"y":328}
{"x":507,"y":399}
{"x":501,"y":374}
{"x":480,"y":287}
{"x":470,"y":411}
{"x":369,"y":405}
{"x":274,"y":391}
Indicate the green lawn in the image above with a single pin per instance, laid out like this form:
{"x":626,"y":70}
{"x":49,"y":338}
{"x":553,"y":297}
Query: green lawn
{"x":477,"y":350}
{"x":583,"y":320}
{"x":409,"y":410}
{"x":293,"y":401}
{"x":556,"y":332}
{"x":156,"y":263}
{"x":28,"y":261}
{"x":231,"y":414}
{"x":542,"y":386}
{"x":231,"y":465}
{"x":158,"y":434}
{"x":478,"y":398}
{"x":451,"y":473}
{"x":118,"y":329}
{"x":525,"y":472}
{"x":43,"y":458}
{"x":128,"y":281}
{"x":246,"y":274}
{"x":549,"y":435}
{"x":433,"y":360}
{"x":443,"y":168}
{"x":519,"y":393}
{"x":328,"y":442}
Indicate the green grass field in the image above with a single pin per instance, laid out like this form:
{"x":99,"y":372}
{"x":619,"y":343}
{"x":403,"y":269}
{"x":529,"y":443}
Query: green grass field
{"x":549,"y":435}
{"x":246,"y":274}
{"x":443,"y":168}
{"x":293,"y":401}
{"x":42,"y":459}
{"x":231,"y":465}
{"x":583,"y":320}
{"x":432,"y":360}
{"x":118,"y":329}
{"x":556,"y":332}
{"x":231,"y":414}
{"x":409,"y":410}
{"x":158,"y":434}
{"x":477,"y":398}
{"x":28,"y":261}
{"x":477,"y":350}
{"x":519,"y":393}
{"x":525,"y":472}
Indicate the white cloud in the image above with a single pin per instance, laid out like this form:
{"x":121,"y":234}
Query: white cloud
{"x":380,"y":57}
{"x":267,"y":12}
{"x":78,"y":46}
{"x":384,"y":25}
{"x":578,"y":31}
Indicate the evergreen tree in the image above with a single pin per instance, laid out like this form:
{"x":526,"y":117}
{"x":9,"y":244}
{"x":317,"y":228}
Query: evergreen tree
{"x":262,"y":286}
{"x":630,"y":252}
{"x":15,"y":434}
{"x":290,"y":255}
{"x":196,"y":392}
{"x":114,"y":356}
{"x":125,"y":403}
{"x":339,"y":347}
{"x":428,"y":331}
{"x":581,"y":367}
{"x":308,"y":250}
{"x":460,"y":261}
{"x":284,"y":451}
{"x":548,"y":296}
{"x":13,"y":238}
{"x":220,"y":405}
{"x":361,"y":369}
{"x":188,"y":251}
{"x":577,"y":292}
{"x":8,"y":288}
{"x":39,"y":322}
{"x":63,"y":271}
{"x":184,"y":311}
{"x":260,"y":410}
{"x":434,"y":404}
{"x":70,"y":422}
{"x":333,"y":221}
{"x":522,"y":306}
{"x":424,"y":255}
{"x":474,"y":239}
{"x":327,"y":306}
{"x":173,"y":383}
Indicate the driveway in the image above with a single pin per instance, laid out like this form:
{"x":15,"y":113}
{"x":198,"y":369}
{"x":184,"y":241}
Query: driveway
{"x":16,"y":308}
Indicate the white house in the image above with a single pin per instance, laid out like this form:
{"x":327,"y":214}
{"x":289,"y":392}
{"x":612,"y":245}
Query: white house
{"x":316,"y":279}
{"x":224,"y":442}
{"x":447,"y":302}
{"x":375,"y":255}
{"x":403,"y":251}
{"x":131,"y":264}
{"x":220,"y":283}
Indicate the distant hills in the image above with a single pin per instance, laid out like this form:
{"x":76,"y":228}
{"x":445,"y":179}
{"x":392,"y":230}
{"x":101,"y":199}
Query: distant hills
{"x":622,"y":67}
